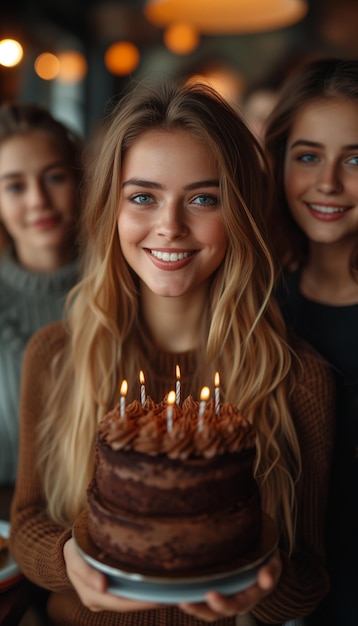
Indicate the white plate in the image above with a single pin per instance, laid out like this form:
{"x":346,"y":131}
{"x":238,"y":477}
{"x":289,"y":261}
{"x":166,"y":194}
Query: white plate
{"x":171,"y":590}
{"x":9,"y":572}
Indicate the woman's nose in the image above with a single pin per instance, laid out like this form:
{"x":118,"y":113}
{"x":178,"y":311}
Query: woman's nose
{"x":36,"y":193}
{"x":329,"y":180}
{"x":171,"y":223}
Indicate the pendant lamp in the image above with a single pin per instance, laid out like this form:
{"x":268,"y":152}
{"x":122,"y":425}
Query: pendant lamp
{"x":214,"y":17}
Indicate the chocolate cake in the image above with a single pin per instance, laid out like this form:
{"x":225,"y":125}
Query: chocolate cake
{"x":174,"y":498}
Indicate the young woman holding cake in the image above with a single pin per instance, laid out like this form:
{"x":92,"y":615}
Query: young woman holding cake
{"x":312,"y":142}
{"x":177,"y":271}
{"x":40,"y":173}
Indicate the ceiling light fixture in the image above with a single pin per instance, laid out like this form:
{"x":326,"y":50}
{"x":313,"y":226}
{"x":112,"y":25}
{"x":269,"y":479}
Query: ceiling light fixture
{"x":212,"y":17}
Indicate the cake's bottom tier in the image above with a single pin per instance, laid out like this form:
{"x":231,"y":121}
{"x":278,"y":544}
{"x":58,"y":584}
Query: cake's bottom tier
{"x":176,"y":545}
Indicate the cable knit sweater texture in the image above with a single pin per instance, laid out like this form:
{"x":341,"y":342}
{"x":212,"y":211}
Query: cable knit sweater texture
{"x":28,"y":301}
{"x":37,"y":543}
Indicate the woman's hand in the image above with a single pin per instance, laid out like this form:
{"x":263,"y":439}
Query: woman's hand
{"x":218,"y":606}
{"x":91,"y":585}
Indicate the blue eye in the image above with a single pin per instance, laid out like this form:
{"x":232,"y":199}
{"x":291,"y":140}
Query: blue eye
{"x":205,"y":199}
{"x":307,"y":158}
{"x":353,"y":160}
{"x":141,"y":198}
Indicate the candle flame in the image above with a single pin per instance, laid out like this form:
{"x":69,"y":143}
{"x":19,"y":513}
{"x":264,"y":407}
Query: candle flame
{"x":124,"y":388}
{"x":171,"y":397}
{"x":177,"y":371}
{"x":205,"y":393}
{"x":141,"y":377}
{"x":217,"y":379}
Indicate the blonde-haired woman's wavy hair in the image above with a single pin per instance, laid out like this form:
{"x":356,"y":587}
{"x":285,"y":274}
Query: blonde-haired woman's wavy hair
{"x":244,"y":335}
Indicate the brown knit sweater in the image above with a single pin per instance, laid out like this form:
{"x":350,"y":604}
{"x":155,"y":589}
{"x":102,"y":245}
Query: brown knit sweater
{"x":37,"y":543}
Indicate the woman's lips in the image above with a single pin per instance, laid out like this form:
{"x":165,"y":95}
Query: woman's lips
{"x":327,"y":212}
{"x":45,"y":223}
{"x":169,"y":259}
{"x":170,"y":256}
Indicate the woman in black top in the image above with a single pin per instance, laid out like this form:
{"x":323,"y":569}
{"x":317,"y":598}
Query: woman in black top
{"x":312,"y":142}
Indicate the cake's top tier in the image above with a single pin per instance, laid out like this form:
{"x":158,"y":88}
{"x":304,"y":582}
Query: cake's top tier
{"x":145,"y":429}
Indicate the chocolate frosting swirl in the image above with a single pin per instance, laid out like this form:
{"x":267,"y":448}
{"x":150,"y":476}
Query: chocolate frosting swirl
{"x":145,"y":429}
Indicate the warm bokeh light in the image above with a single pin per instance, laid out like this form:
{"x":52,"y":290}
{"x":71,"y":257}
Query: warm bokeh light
{"x":228,"y":83}
{"x":73,"y":66}
{"x":11,"y":52}
{"x":47,"y":66}
{"x":122,"y":58}
{"x":227,"y":16}
{"x":181,"y":38}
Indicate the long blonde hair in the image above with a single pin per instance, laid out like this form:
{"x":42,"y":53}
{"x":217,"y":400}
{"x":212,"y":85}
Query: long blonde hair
{"x":244,"y":336}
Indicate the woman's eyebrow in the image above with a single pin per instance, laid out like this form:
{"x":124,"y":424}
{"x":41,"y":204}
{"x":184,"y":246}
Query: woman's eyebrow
{"x":152,"y":185}
{"x":141,"y":183}
{"x":47,"y":168}
{"x":306,"y":142}
{"x":316,"y":144}
{"x":203,"y":183}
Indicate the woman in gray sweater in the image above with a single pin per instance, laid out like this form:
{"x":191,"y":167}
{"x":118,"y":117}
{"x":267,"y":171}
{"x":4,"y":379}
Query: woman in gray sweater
{"x":40,"y":172}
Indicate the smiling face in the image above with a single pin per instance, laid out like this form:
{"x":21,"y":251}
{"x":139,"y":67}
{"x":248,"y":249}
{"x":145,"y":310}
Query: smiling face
{"x":321,"y":171}
{"x":170,"y":225}
{"x":38,"y":196}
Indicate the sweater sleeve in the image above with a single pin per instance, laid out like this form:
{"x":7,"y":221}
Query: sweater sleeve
{"x":304,"y":581}
{"x":35,"y":541}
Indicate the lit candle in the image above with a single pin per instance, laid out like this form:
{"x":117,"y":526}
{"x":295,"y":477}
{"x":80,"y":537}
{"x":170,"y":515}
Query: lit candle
{"x":204,"y":397}
{"x":217,"y":393}
{"x":142,"y":387}
{"x":177,"y":385}
{"x":171,"y":401}
{"x":123,"y":392}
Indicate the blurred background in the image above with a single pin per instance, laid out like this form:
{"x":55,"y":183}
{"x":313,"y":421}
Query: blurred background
{"x":76,"y":56}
